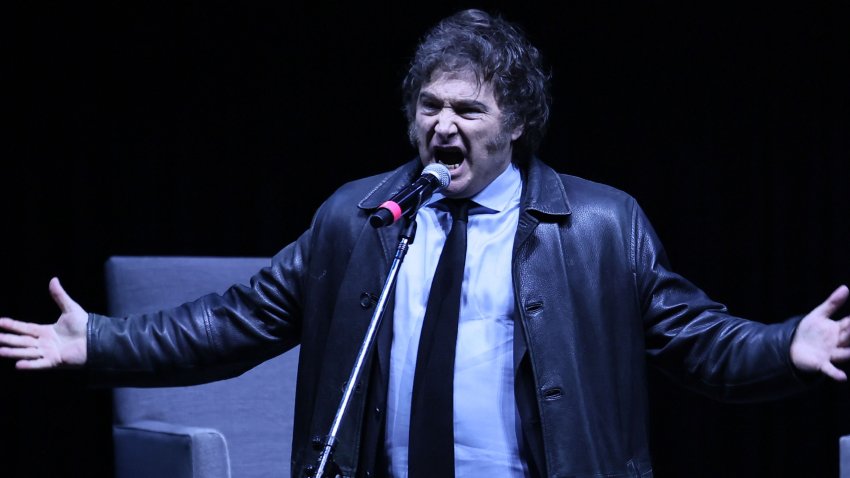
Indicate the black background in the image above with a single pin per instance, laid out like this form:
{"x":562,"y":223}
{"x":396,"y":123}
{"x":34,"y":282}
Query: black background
{"x":215,"y":128}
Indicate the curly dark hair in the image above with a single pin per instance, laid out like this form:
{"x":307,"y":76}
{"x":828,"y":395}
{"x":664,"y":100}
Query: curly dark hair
{"x":495,"y":51}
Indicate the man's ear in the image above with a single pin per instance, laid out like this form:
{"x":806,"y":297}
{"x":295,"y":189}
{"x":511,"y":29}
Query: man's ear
{"x":517,"y":132}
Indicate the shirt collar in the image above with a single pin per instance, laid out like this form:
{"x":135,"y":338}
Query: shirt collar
{"x":499,"y":194}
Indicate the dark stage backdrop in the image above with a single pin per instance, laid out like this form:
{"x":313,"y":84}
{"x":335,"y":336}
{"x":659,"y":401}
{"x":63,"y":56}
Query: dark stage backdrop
{"x":215,"y":128}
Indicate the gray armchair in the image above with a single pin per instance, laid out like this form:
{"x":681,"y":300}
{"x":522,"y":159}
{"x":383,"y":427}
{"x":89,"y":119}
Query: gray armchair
{"x":240,"y":427}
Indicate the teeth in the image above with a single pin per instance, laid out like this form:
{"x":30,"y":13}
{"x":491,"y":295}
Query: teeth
{"x":449,"y":157}
{"x":449,"y":166}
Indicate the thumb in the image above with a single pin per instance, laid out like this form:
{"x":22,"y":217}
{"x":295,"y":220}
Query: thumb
{"x":62,"y":299}
{"x":833,"y":302}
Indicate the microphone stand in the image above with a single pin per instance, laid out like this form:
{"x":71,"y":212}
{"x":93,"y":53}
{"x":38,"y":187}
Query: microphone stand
{"x":325,"y":462}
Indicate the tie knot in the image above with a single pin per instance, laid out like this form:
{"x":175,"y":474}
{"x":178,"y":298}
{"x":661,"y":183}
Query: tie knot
{"x":458,"y":208}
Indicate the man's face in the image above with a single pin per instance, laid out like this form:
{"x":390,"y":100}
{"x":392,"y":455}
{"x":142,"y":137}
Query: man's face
{"x":459,"y":124}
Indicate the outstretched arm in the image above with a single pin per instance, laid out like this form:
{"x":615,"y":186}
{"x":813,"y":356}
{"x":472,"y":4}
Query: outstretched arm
{"x":821,"y":342}
{"x":37,"y":346}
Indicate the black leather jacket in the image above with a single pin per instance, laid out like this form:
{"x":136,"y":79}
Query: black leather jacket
{"x":595,"y":296}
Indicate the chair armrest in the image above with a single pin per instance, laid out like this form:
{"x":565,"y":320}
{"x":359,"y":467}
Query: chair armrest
{"x":151,"y":449}
{"x":844,"y":452}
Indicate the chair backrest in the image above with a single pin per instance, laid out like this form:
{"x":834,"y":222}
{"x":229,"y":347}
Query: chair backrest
{"x":254,"y":411}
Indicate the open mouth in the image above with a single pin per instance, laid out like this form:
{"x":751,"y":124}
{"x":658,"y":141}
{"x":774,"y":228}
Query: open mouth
{"x":449,"y":157}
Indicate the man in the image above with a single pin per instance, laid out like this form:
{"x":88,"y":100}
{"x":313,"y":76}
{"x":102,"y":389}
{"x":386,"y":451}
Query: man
{"x":567,"y":296}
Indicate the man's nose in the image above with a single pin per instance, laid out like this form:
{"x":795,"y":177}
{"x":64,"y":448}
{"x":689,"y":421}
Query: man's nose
{"x":446,"y":123}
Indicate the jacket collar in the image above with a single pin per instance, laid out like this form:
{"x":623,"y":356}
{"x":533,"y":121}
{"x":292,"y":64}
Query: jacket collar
{"x":390,"y":184}
{"x":543,"y":190}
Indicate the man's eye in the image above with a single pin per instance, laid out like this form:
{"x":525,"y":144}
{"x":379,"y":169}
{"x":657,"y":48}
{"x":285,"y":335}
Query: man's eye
{"x":469,"y":112}
{"x":427,"y":107}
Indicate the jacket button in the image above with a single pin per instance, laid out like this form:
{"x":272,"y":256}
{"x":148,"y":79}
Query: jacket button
{"x":367,"y":300}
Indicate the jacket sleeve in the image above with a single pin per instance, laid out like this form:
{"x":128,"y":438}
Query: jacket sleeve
{"x":215,"y":337}
{"x":698,"y":343}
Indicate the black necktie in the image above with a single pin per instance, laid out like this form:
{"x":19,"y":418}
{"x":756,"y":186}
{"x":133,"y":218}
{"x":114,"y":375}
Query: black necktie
{"x":431,"y":452}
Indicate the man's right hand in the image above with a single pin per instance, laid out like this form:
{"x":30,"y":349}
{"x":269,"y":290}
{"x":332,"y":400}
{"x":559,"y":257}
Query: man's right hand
{"x":37,"y":346}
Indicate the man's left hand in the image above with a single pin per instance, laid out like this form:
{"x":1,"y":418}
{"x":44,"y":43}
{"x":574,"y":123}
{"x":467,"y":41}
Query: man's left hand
{"x":821,"y":342}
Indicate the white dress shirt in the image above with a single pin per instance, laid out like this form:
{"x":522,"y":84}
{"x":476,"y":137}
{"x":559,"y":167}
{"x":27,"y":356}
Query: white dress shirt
{"x":485,"y":418}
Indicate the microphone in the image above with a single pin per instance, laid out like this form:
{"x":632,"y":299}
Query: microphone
{"x":434,"y":177}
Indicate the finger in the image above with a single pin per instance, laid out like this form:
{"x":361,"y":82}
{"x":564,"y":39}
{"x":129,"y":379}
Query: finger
{"x":844,"y":331}
{"x":833,"y":372}
{"x":15,"y":340}
{"x":28,"y":353}
{"x":62,"y":299}
{"x":840,"y":355}
{"x":24,"y":328}
{"x":38,"y":364}
{"x":833,"y":302}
